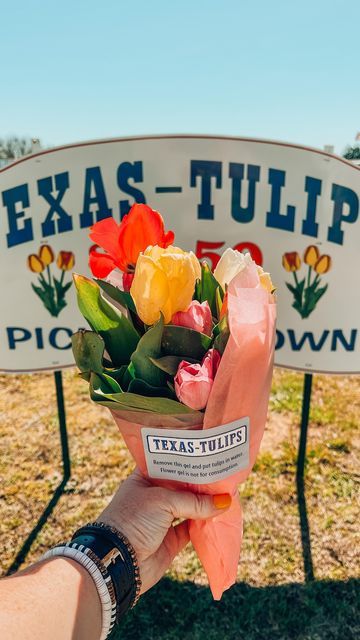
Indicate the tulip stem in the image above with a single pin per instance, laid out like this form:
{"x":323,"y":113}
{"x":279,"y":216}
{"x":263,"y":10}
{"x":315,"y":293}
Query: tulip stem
{"x":49,"y":275}
{"x":62,"y":277}
{"x":296,"y":278}
{"x":309,"y":276}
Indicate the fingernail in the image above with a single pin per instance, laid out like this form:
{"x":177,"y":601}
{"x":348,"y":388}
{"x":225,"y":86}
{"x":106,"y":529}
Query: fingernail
{"x":222,"y":501}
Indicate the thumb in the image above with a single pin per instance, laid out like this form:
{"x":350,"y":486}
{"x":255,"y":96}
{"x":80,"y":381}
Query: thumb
{"x":195,"y":506}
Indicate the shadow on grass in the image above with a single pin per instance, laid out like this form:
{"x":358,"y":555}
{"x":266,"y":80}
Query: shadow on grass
{"x":324,"y":610}
{"x":26,"y":546}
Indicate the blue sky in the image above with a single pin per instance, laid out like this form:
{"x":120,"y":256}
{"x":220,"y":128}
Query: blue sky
{"x":79,"y":70}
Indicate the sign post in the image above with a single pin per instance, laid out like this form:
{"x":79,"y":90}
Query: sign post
{"x":62,"y":426}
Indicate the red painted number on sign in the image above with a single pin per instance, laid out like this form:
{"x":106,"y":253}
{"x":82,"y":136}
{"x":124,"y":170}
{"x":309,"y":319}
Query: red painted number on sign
{"x":205,"y":250}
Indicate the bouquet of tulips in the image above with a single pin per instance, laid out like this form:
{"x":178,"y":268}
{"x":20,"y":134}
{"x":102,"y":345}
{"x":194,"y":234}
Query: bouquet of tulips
{"x":174,"y":346}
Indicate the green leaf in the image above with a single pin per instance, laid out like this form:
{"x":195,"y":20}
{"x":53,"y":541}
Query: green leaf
{"x":122,"y":297}
{"x":135,"y":402}
{"x":184,"y":342}
{"x":46,"y":295}
{"x":170,"y":364}
{"x":207,"y":287}
{"x":88,"y":349}
{"x":104,"y":384}
{"x":219,"y":298}
{"x":118,"y":333}
{"x":222,"y":335}
{"x":290,"y":287}
{"x":61,"y":289}
{"x":144,"y":389}
{"x":149,"y":346}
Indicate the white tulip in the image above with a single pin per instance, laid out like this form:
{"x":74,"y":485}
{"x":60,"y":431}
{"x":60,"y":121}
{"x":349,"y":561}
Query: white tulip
{"x":230,"y":264}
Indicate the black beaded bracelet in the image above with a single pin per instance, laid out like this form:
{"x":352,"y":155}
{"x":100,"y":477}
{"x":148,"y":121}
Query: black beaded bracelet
{"x":118,"y":556}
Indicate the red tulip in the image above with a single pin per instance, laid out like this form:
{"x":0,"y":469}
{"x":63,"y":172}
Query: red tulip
{"x":123,"y":242}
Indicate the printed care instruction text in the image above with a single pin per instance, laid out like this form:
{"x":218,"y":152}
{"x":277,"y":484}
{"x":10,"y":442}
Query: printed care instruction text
{"x":197,"y":456}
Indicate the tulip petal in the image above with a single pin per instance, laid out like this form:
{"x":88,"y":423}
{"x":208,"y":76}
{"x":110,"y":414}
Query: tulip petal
{"x":150,"y":291}
{"x":105,"y":234}
{"x":101,"y":264}
{"x":140,"y":228}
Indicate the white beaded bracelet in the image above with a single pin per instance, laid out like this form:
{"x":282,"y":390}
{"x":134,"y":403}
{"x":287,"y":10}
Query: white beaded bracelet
{"x":108,"y":609}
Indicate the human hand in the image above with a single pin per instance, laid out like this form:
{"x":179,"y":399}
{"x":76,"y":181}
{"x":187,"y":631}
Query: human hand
{"x":145,"y":514}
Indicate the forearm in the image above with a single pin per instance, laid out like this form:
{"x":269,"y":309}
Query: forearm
{"x":54,"y":599}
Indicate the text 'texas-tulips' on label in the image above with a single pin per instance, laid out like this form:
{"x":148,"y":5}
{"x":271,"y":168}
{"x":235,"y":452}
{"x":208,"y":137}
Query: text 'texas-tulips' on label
{"x":197,"y":456}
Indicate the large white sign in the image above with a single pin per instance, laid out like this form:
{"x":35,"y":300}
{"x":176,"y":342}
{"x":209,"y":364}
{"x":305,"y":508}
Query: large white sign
{"x":295,"y":209}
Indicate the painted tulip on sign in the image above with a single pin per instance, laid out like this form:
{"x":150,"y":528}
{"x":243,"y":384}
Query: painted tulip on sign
{"x":323,"y":264}
{"x":35,"y":264}
{"x":65,"y":260}
{"x":183,"y":348}
{"x":306,"y":291}
{"x":311,"y":255}
{"x":46,"y":254}
{"x":291,"y":261}
{"x":50,"y":290}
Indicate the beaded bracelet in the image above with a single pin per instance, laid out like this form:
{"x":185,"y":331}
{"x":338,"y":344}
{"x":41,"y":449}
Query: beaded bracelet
{"x":97,"y":571}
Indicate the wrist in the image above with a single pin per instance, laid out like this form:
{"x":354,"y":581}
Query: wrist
{"x":110,"y":561}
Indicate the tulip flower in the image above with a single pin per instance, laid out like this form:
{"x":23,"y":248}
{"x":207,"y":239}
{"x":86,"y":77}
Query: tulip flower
{"x":265,"y":280}
{"x":291,"y":261}
{"x":323,"y":264}
{"x":193,"y":382}
{"x":65,"y":260}
{"x":229,"y":265}
{"x":140,"y":228}
{"x":311,"y":255}
{"x":197,"y":317}
{"x":164,"y":282}
{"x":35,"y":264}
{"x":46,"y":254}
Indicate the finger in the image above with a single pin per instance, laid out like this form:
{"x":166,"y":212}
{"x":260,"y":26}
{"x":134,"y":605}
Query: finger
{"x":152,"y":569}
{"x":184,"y":504}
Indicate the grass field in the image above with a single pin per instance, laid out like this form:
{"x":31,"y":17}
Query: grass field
{"x":271,"y":599}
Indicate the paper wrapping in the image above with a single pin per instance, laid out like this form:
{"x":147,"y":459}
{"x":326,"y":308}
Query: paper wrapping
{"x":241,"y":388}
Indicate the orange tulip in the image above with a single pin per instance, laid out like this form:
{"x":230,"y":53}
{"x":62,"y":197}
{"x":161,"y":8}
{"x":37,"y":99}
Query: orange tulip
{"x":140,"y":228}
{"x":224,"y":307}
{"x":291,"y":261}
{"x":65,"y":260}
{"x":323,"y":265}
{"x":311,"y":255}
{"x":35,"y":264}
{"x":46,"y":254}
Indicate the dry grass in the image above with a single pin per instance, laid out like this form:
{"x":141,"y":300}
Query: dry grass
{"x":30,"y":470}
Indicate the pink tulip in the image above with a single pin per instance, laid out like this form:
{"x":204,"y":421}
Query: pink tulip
{"x":197,"y":317}
{"x":193,"y":382}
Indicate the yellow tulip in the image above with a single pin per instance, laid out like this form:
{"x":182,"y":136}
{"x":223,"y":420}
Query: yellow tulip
{"x":323,"y":264}
{"x":164,"y":282}
{"x":35,"y":264}
{"x":265,"y":280}
{"x":46,"y":254}
{"x":311,"y":255}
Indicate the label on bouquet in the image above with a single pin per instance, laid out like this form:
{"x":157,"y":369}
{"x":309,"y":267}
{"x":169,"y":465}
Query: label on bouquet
{"x":197,"y":456}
